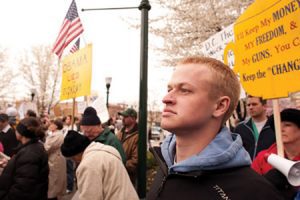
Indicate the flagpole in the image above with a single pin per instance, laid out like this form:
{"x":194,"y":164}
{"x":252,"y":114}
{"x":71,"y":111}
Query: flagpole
{"x":144,"y":7}
{"x":54,"y":86}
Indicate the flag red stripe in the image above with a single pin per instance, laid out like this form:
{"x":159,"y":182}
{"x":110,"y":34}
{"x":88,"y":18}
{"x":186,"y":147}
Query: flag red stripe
{"x":70,"y":29}
{"x":62,"y":38}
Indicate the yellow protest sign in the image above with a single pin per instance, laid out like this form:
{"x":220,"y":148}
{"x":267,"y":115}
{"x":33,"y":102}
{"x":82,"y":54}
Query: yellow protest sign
{"x":267,"y":48}
{"x":76,"y":74}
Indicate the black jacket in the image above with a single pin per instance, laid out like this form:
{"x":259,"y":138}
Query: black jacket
{"x":265,"y":139}
{"x":9,"y":141}
{"x":240,"y":183}
{"x":26,"y":174}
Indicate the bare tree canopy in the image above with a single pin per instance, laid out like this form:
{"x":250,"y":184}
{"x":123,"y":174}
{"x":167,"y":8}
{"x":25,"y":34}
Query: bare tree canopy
{"x":185,"y":24}
{"x":6,"y":74}
{"x":38,"y":70}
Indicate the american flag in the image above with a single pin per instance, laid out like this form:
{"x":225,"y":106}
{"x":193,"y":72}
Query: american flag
{"x":75,"y":47}
{"x":71,"y":28}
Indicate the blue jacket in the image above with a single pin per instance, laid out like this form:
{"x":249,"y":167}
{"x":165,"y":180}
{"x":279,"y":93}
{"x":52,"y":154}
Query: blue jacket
{"x":220,"y":171}
{"x":225,"y":151}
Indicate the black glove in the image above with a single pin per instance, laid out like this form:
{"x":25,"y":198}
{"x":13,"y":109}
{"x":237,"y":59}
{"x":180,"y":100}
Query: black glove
{"x":279,"y":180}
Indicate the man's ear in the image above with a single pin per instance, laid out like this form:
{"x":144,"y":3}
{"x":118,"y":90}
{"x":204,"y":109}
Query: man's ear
{"x":221,"y":106}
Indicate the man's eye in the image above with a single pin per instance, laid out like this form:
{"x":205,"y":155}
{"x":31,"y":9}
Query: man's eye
{"x":184,"y":90}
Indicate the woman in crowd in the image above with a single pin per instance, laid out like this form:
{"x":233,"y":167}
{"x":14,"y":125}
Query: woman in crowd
{"x":57,"y":162}
{"x":25,"y":175}
{"x":290,"y":131}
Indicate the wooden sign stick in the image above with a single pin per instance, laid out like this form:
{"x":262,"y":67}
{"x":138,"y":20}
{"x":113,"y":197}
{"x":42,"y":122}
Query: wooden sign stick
{"x":277,"y":121}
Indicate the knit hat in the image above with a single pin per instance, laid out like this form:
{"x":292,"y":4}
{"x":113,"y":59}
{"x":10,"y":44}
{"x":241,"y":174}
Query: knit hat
{"x":90,"y":117}
{"x":129,"y":112}
{"x":74,"y":143}
{"x":288,"y":115}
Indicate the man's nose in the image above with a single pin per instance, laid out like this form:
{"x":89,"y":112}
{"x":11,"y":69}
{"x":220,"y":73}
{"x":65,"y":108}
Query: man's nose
{"x":169,"y":98}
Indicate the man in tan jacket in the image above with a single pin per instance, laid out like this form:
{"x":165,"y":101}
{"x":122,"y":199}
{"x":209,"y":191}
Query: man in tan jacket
{"x":129,"y":138}
{"x":101,"y":174}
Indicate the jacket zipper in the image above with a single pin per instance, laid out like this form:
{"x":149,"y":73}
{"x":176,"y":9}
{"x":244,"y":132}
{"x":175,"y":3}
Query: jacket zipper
{"x":255,"y":142}
{"x":161,"y":186}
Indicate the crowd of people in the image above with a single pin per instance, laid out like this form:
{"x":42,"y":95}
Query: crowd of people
{"x":43,"y":157}
{"x":200,"y":159}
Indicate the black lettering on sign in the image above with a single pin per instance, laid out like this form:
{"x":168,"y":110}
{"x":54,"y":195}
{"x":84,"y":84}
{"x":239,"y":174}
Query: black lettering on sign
{"x":286,"y":10}
{"x":265,"y":22}
{"x":263,"y":38}
{"x":261,"y":56}
{"x":250,"y":77}
{"x":289,"y":66}
{"x":296,"y":41}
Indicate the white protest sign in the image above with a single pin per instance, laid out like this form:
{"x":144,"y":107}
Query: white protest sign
{"x":100,"y":105}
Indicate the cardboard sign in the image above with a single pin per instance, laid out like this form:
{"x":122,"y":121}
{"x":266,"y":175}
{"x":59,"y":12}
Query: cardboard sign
{"x":214,"y":46}
{"x":266,"y":48}
{"x":77,"y":74}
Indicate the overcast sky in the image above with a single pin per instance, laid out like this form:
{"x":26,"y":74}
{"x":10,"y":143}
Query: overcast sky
{"x":116,"y":46}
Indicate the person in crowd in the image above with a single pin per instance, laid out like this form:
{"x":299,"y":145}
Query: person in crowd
{"x":100,"y":173}
{"x":290,"y":130}
{"x":1,"y":148}
{"x":67,"y":121}
{"x":110,"y":124}
{"x":77,"y":123}
{"x":12,"y":113}
{"x":25,"y":175}
{"x":256,"y":132}
{"x":45,"y":120}
{"x":30,"y":113}
{"x":7,"y":135}
{"x":118,"y":124}
{"x":91,"y":127}
{"x":57,"y":162}
{"x":202,"y":158}
{"x":129,"y":138}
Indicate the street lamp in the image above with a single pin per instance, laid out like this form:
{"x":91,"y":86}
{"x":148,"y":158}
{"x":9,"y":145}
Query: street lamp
{"x":33,"y":92}
{"x":107,"y":82}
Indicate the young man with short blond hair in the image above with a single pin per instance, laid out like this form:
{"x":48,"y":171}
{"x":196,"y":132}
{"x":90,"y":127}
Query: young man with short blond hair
{"x":202,"y":159}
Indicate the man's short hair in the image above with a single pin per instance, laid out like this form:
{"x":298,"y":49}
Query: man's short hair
{"x":31,"y":113}
{"x":261,"y":100}
{"x":224,"y":81}
{"x":3,"y":117}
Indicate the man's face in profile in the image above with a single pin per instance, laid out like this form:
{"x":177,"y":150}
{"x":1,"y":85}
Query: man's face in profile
{"x":187,"y":104}
{"x":90,"y":131}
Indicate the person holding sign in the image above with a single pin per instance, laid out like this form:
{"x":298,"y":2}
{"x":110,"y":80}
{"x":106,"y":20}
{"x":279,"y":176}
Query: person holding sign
{"x":202,"y":159}
{"x":290,"y":131}
{"x":255,"y":132}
